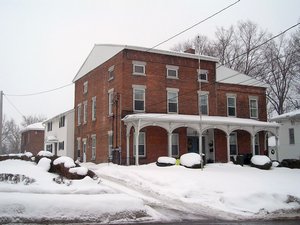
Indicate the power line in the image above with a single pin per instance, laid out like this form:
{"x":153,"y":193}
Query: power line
{"x":193,"y":26}
{"x":38,"y":93}
{"x":13,"y":105}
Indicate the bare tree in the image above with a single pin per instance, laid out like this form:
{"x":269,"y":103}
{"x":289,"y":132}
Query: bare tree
{"x":27,"y":120}
{"x":11,"y":137}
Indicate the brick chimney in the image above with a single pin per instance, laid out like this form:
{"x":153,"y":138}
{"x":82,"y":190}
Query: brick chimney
{"x":190,"y":50}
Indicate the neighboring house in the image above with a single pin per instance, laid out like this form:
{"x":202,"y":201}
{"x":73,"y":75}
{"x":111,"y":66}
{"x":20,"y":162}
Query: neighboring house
{"x":145,"y":103}
{"x":59,"y":134}
{"x":289,"y":135}
{"x":32,"y":138}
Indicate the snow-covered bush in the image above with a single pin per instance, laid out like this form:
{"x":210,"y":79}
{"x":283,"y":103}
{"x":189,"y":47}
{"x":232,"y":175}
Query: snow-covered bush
{"x":261,"y":162}
{"x":191,"y":160}
{"x":166,"y":161}
{"x":291,"y":163}
{"x":67,"y":161}
{"x":45,"y":153}
{"x":45,"y":163}
{"x":79,"y":170}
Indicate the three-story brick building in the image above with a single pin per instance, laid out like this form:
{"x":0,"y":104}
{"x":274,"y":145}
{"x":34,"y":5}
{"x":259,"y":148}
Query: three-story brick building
{"x":147,"y":103}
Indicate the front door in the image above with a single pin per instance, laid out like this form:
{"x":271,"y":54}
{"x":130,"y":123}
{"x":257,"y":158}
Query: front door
{"x":84,"y":150}
{"x":193,"y":144}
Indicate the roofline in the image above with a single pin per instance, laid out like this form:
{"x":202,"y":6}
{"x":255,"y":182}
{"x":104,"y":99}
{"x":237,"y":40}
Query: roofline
{"x":58,"y":115}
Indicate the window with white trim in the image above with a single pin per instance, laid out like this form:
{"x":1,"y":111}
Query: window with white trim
{"x":79,"y":114}
{"x":49,"y":126}
{"x":253,"y":106}
{"x":94,"y":108}
{"x":203,"y":102}
{"x":85,"y":87}
{"x":172,"y":100}
{"x":139,"y":68}
{"x":110,"y":144}
{"x":203,"y":75}
{"x":175,"y":145}
{"x":172,"y":71}
{"x":93,"y":147}
{"x":84,"y":112}
{"x":233,"y":143}
{"x":291,"y":136}
{"x":231,"y":105}
{"x":111,"y":73}
{"x":110,"y":101}
{"x":142,"y":144}
{"x":138,"y":98}
{"x":61,"y":121}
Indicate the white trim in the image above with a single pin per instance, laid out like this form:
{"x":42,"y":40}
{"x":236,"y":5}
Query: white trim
{"x":173,"y":68}
{"x":141,"y":64}
{"x":110,"y":71}
{"x":95,"y":147}
{"x":255,"y":98}
{"x":229,"y":95}
{"x":138,"y":88}
{"x":202,"y":71}
{"x":173,"y":91}
{"x":203,"y":93}
{"x":110,"y":101}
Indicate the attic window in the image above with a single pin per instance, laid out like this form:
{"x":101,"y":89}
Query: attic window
{"x":139,"y":68}
{"x":85,"y":87}
{"x":111,"y":73}
{"x":203,"y":75}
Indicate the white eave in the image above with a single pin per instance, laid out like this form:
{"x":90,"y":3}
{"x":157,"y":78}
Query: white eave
{"x":287,"y":116}
{"x":230,"y":76}
{"x":103,"y":52}
{"x":58,"y":116}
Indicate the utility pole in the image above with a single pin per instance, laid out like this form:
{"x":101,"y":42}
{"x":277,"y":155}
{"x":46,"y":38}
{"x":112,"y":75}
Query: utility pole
{"x":1,"y":117}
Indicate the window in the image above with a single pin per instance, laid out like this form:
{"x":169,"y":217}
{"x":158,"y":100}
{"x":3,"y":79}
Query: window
{"x":253,"y":106}
{"x":94,"y":108}
{"x":233,"y":144}
{"x":85,"y":87}
{"x":203,"y":102}
{"x":79,"y":114}
{"x":175,"y":145}
{"x":231,"y":105}
{"x":139,"y":68}
{"x":138,"y":98}
{"x":172,"y":71}
{"x":49,"y":126}
{"x":203,"y":75}
{"x":110,"y":144}
{"x":61,"y":145}
{"x":78,"y":147}
{"x":110,"y":101}
{"x":142,"y":145}
{"x":111,"y":73}
{"x":172,"y":100}
{"x":62,"y":121}
{"x":49,"y":148}
{"x":292,"y":136}
{"x":93,"y":147}
{"x":84,"y":112}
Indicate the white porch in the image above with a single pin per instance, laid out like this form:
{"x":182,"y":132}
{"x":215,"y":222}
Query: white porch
{"x":170,"y":122}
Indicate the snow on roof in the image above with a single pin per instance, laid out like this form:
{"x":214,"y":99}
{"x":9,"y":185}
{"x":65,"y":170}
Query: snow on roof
{"x":34,"y":126}
{"x":290,"y":115}
{"x":102,"y":52}
{"x":195,"y":118}
{"x":230,"y":76}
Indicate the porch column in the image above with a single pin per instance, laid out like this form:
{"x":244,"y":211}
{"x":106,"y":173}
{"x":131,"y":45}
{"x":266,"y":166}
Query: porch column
{"x":253,"y":144}
{"x":169,"y":144}
{"x":127,"y":149}
{"x":136,"y":136}
{"x":228,"y":147}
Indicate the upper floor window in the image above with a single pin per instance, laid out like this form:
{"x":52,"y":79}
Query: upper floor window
{"x":62,"y":121}
{"x":291,"y":136}
{"x":172,"y":95}
{"x":138,"y":98}
{"x":79,"y":114}
{"x":110,"y":101}
{"x":94,"y":108}
{"x":172,"y":71}
{"x":111,"y":73}
{"x":84,"y":111}
{"x":203,"y":75}
{"x":139,"y":68}
{"x":85,"y":87}
{"x":203,"y":102}
{"x":231,"y":105}
{"x":49,"y":126}
{"x":253,"y":106}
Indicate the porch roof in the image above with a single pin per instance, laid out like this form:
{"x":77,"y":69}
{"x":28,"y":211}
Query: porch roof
{"x":172,"y":121}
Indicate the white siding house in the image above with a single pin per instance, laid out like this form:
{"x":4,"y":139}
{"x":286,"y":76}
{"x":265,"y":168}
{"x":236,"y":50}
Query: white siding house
{"x":289,"y":135}
{"x":59,"y":134}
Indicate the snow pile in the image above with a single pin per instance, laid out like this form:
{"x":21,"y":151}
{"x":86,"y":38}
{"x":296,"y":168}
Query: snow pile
{"x":67,"y":161}
{"x":45,"y":153}
{"x":79,"y":170}
{"x":260,"y":160}
{"x":190,"y":159}
{"x":166,"y":160}
{"x":45,"y":163}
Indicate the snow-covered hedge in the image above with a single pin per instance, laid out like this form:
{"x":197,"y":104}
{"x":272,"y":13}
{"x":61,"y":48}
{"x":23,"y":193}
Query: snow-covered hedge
{"x":191,"y":160}
{"x":166,"y":161}
{"x":45,"y":153}
{"x":261,"y":162}
{"x":45,"y":163}
{"x":79,"y":170}
{"x":67,"y":161}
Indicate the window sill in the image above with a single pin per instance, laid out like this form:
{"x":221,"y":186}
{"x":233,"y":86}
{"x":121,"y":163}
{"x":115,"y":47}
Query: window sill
{"x":203,"y":81}
{"x":138,"y":74}
{"x":173,"y":78}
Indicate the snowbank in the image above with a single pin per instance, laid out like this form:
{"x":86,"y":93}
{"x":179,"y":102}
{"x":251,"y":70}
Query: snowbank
{"x":166,"y":160}
{"x":67,"y":161}
{"x":79,"y":170}
{"x":260,"y":160}
{"x":45,"y":163}
{"x":190,"y":160}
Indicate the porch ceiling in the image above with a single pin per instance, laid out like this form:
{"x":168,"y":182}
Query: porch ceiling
{"x":170,"y":122}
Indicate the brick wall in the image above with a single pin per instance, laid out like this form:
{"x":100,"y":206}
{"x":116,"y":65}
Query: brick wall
{"x":32,"y":141}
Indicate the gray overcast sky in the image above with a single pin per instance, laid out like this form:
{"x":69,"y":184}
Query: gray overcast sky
{"x":43,"y":43}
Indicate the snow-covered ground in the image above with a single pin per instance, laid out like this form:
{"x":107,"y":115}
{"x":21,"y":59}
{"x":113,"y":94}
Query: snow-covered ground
{"x":148,"y":192}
